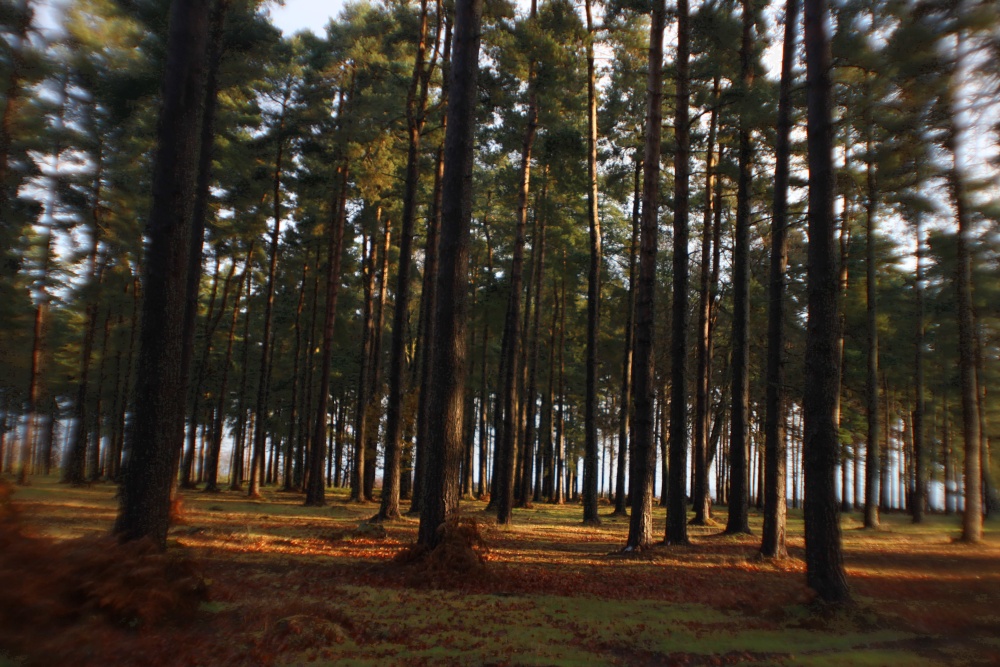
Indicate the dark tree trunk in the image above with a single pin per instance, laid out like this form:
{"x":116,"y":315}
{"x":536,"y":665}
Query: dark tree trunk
{"x":824,"y":558}
{"x":559,"y":496}
{"x":972,"y":521}
{"x":625,"y":413}
{"x":506,"y":461}
{"x":415,"y":104}
{"x":242,"y":423}
{"x":315,"y":489}
{"x":700,"y":489}
{"x":642,"y":457}
{"x":676,"y":532}
{"x":215,"y":441}
{"x":773,"y":534}
{"x":872,"y":460}
{"x":261,"y":422}
{"x":738,"y":521}
{"x":590,"y":469}
{"x":375,"y":385}
{"x":526,"y":492}
{"x":157,"y":427}
{"x":441,"y":492}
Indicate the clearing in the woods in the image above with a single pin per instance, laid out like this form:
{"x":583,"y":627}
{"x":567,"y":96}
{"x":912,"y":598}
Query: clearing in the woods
{"x":271,"y":582}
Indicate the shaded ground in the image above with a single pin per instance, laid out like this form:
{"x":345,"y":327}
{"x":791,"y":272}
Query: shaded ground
{"x":294,"y":585}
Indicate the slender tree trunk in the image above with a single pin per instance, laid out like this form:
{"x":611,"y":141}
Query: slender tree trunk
{"x":263,"y":380}
{"x":593,"y":289}
{"x":700,"y":489}
{"x":824,"y":558}
{"x":441,"y":493}
{"x":972,"y":521}
{"x":374,"y":415}
{"x":560,"y":446}
{"x":873,"y":463}
{"x":369,"y":250}
{"x":288,"y":482}
{"x":526,"y":494}
{"x":738,"y":493}
{"x":315,"y":489}
{"x":773,"y":534}
{"x":415,"y":103}
{"x":506,"y":461}
{"x":157,"y":427}
{"x":625,"y":412}
{"x":676,"y":532}
{"x":642,"y":457}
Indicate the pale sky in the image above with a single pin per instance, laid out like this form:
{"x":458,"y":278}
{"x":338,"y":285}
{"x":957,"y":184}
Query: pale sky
{"x":299,"y":15}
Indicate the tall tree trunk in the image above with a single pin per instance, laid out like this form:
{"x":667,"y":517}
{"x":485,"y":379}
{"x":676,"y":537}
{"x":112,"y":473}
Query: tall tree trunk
{"x":506,"y":461}
{"x":560,"y":446}
{"x":642,"y":457}
{"x":288,"y":481}
{"x":972,"y":521}
{"x":157,"y":427}
{"x":369,"y":251}
{"x":625,"y":412}
{"x":374,"y":415}
{"x":315,"y":489}
{"x":215,"y":441}
{"x":593,"y":289}
{"x":526,"y":493}
{"x":441,"y":492}
{"x":700,"y":489}
{"x":824,"y":557}
{"x":676,"y":532}
{"x":415,"y":105}
{"x":738,"y":521}
{"x":261,"y":421}
{"x":75,"y":461}
{"x":872,"y":460}
{"x":773,"y":534}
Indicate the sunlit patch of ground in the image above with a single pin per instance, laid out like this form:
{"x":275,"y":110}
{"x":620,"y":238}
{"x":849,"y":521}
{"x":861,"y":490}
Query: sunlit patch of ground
{"x":295,"y":585}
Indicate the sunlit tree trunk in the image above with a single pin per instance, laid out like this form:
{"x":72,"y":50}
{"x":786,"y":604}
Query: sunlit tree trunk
{"x":506,"y":461}
{"x":642,"y":457}
{"x":773,"y":534}
{"x":441,"y":492}
{"x":625,"y":407}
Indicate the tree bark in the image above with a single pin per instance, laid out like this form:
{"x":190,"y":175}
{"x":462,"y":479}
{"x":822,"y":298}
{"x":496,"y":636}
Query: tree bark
{"x":590,"y":469}
{"x":158,"y":422}
{"x":625,"y":411}
{"x":872,"y":459}
{"x":441,"y":493}
{"x":642,"y":457}
{"x":676,"y":532}
{"x":972,"y":518}
{"x":773,"y":533}
{"x":506,"y":462}
{"x":738,"y":521}
{"x":824,"y":558}
{"x":315,"y":488}
{"x":700,"y":489}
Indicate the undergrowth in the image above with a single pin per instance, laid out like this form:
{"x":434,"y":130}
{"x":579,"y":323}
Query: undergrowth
{"x":55,"y":592}
{"x":459,"y":557}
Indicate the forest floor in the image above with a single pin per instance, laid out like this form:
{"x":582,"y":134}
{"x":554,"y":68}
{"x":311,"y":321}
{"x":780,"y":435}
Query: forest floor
{"x":277,"y":583}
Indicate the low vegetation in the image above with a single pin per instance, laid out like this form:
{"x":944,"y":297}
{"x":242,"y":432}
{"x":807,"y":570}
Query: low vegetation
{"x":271,"y":582}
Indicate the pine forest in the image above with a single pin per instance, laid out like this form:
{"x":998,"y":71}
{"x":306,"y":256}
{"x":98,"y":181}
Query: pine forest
{"x":468,"y":332}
